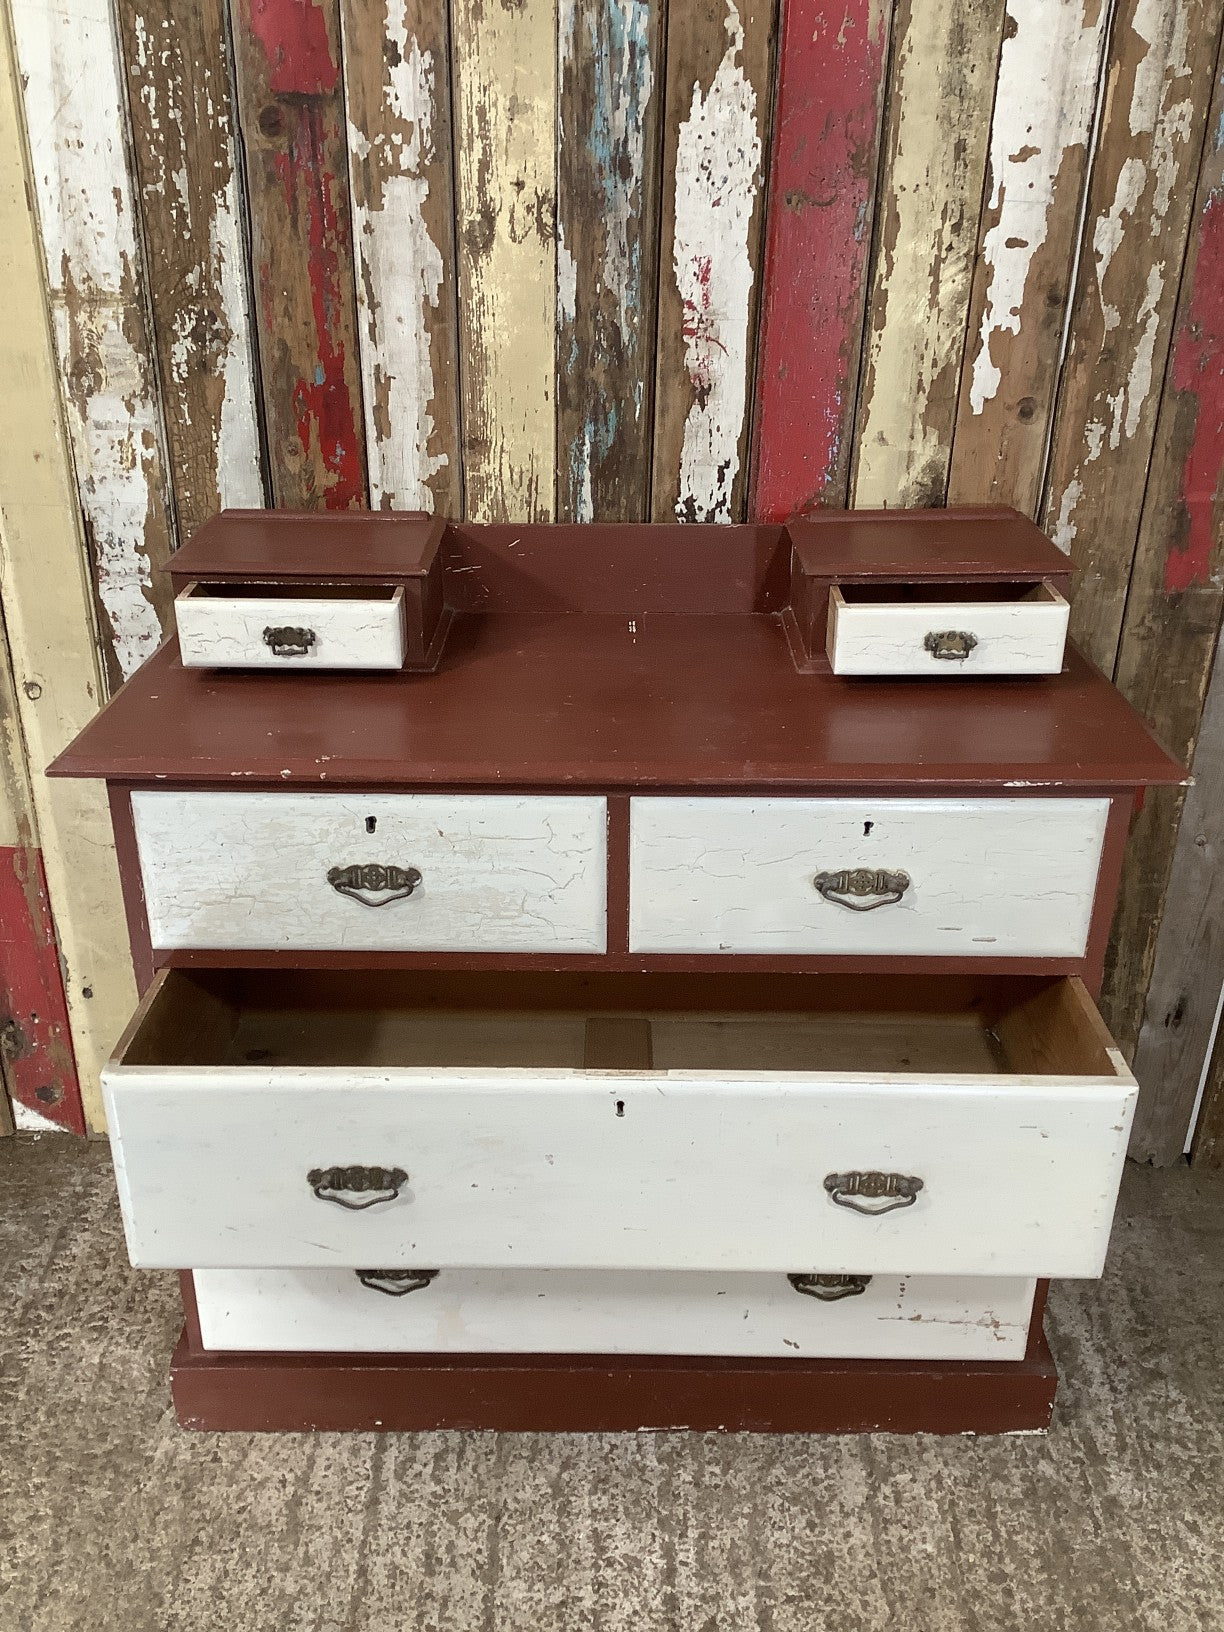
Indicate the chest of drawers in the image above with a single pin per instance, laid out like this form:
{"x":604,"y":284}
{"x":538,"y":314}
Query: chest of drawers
{"x":622,"y":1025}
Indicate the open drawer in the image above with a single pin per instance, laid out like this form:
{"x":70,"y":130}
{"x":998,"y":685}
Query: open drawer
{"x":291,"y":626}
{"x":944,"y":1125}
{"x":947,"y":629}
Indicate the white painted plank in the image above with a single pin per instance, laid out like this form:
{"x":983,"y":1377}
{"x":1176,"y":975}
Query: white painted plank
{"x":609,"y":1312}
{"x":988,"y":877}
{"x":1008,"y":637}
{"x":500,"y":873}
{"x":356,"y":632}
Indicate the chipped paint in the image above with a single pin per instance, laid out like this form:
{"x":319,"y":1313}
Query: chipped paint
{"x":394,"y":162}
{"x":75,"y":120}
{"x":717,"y":180}
{"x":1043,"y":106}
{"x":821,"y":209}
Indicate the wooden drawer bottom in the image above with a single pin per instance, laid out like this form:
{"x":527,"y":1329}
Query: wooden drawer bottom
{"x":611,"y":1312}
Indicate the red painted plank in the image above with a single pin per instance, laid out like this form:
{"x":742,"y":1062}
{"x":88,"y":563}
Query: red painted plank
{"x":832,"y":70}
{"x":38,"y":1063}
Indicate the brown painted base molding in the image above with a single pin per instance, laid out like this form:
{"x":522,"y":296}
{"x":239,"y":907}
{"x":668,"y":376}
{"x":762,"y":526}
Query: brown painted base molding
{"x":260,"y":1393}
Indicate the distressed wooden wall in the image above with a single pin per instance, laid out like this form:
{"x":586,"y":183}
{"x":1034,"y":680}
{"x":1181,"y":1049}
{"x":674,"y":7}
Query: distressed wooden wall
{"x":694,"y":259}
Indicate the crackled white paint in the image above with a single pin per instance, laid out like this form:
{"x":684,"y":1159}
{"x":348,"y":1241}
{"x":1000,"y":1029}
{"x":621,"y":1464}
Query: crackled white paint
{"x":558,"y":1311}
{"x":350,"y":633}
{"x":1018,"y":637}
{"x":400,"y":271}
{"x":499,"y":874}
{"x":718,"y":177}
{"x":74,"y":116}
{"x":1043,"y":108}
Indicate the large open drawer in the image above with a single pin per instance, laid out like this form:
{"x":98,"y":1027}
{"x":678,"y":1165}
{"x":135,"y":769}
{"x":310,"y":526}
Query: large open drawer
{"x":886,"y":1124}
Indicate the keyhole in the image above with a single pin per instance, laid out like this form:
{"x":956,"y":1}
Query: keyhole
{"x":371,"y":823}
{"x":620,"y":1107}
{"x":867,"y":827}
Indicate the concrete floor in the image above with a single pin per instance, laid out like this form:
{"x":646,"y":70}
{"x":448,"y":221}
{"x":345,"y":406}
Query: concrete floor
{"x":110,"y":1517}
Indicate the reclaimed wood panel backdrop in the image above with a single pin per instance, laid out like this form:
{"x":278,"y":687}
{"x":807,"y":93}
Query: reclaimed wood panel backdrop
{"x":675,"y":259}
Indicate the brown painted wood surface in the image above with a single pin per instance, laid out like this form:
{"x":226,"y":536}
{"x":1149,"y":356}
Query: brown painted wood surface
{"x":291,"y":113}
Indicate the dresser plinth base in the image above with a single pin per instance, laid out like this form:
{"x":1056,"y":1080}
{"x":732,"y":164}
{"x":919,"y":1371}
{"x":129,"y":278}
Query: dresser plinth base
{"x":267,"y":1393}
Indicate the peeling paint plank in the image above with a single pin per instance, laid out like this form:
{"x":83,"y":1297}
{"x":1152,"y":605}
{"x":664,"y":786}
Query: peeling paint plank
{"x":397,"y":94}
{"x":715,"y":126}
{"x":1045,"y":101}
{"x":608,"y":125}
{"x":291,"y":114}
{"x":504,"y":75}
{"x":1160,"y":72}
{"x":69,"y":63}
{"x":1169,"y":634}
{"x":940,"y":96}
{"x":48,"y":606}
{"x":822,"y":191}
{"x":183,"y":143}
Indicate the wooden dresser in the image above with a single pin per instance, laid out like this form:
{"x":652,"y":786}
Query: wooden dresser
{"x":622,"y":1023}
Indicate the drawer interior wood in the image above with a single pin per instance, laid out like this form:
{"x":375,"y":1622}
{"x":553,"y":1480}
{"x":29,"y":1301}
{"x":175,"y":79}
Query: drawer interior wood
{"x":955,"y":594}
{"x":305,"y":591}
{"x":911,"y":1024}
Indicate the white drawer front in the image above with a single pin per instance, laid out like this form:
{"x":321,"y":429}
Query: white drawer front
{"x":611,"y":1312}
{"x":294,"y":633}
{"x":251,"y":870}
{"x":1025,"y":636}
{"x":666,"y":1170}
{"x":986,"y":877}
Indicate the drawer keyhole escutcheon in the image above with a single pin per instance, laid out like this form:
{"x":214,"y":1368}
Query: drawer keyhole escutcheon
{"x":396,"y":1283}
{"x":356,"y":1188}
{"x":872,"y":1193}
{"x":853,"y":885}
{"x":830,"y":1288}
{"x":289,"y":641}
{"x":360,"y":882}
{"x":950,"y":645}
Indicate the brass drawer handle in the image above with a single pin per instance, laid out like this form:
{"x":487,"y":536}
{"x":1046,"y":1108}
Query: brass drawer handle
{"x":888,"y":888}
{"x":288,"y":641}
{"x":889,"y":1190}
{"x":396,"y":1283}
{"x":830,"y":1288}
{"x":952,"y":645}
{"x":375,"y":1184}
{"x":392,"y":883}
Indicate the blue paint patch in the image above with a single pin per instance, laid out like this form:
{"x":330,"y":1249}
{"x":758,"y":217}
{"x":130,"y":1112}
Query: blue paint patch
{"x":320,"y":376}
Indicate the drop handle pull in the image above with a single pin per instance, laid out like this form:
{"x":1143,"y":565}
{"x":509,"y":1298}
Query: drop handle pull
{"x":386,"y":884}
{"x":854,"y":888}
{"x":356,"y":1188}
{"x":396,"y":1283}
{"x":830,"y":1288}
{"x":289,"y":641}
{"x":872,"y":1193}
{"x":949,"y":645}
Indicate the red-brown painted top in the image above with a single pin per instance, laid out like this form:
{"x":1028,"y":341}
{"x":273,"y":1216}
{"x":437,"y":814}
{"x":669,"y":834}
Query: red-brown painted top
{"x":608,"y":701}
{"x":974,"y":542}
{"x":274,"y":546}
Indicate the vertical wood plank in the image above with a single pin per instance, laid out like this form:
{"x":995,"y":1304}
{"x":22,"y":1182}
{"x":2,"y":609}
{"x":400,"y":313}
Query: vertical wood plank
{"x":608,"y":59}
{"x":943,"y":80}
{"x":1045,"y":99}
{"x":822,"y":190}
{"x":504,"y":75}
{"x":291,"y":115}
{"x":715,"y":121}
{"x":1208,"y":1147}
{"x":1161,"y":69}
{"x":175,"y":55}
{"x":48,"y":607}
{"x":397,"y":93}
{"x":75,"y":120}
{"x":1176,"y":590}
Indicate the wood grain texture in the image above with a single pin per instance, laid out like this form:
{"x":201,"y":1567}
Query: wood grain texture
{"x":397,"y":92}
{"x":178,"y":97}
{"x":1176,"y":594}
{"x":716,"y":119}
{"x":832,"y":72}
{"x":504,"y":79}
{"x":291,"y":114}
{"x":52,"y":636}
{"x":942,"y":87}
{"x":609,"y":62}
{"x":1045,"y":97}
{"x":75,"y":122}
{"x":1161,"y":69}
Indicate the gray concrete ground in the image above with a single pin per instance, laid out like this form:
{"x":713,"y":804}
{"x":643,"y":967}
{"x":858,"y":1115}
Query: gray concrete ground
{"x":110,"y":1517}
